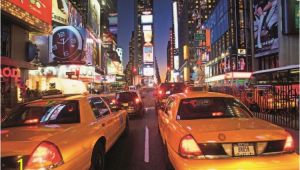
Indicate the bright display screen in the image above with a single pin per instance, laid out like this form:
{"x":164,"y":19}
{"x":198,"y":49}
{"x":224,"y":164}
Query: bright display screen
{"x":148,"y":71}
{"x":148,"y":54}
{"x":147,"y":19}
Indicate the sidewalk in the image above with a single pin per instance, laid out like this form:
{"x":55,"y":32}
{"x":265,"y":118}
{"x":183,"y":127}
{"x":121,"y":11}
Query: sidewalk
{"x":295,"y":135}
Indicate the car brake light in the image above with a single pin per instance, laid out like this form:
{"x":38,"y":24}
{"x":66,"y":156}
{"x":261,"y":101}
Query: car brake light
{"x":137,"y":100}
{"x":31,"y":121}
{"x":113,"y":101}
{"x":289,"y":144}
{"x":160,"y":92}
{"x":188,"y":147}
{"x":186,"y":90}
{"x":45,"y":156}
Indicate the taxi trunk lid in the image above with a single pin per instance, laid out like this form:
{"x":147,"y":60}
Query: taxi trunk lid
{"x":231,"y":130}
{"x":22,"y":140}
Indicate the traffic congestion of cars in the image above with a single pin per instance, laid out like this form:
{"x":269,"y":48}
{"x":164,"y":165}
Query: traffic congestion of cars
{"x":199,"y":130}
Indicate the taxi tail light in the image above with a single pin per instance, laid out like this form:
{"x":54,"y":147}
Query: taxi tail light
{"x":45,"y":156}
{"x":188,"y":147}
{"x":137,"y":100}
{"x":186,"y":90}
{"x":113,"y":101}
{"x":289,"y":144}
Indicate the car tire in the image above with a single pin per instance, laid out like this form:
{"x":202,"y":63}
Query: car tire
{"x":126,"y":130}
{"x":168,"y":163}
{"x":98,"y":157}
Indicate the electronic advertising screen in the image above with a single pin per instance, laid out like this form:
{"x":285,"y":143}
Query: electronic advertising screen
{"x":148,"y":54}
{"x":148,"y":36}
{"x":148,"y":71}
{"x":147,"y":28}
{"x":147,"y":19}
{"x":265,"y":27}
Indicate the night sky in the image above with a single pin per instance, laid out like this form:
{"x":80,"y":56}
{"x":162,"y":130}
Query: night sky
{"x":162,"y":23}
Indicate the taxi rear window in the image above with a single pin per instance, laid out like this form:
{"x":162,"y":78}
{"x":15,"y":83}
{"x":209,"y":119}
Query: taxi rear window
{"x":211,"y":107}
{"x":50,"y":112}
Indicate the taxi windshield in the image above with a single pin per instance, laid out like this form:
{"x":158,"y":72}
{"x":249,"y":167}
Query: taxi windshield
{"x":44,"y":112}
{"x":211,"y":107}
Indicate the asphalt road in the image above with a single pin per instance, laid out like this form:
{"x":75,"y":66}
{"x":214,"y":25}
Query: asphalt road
{"x":142,"y":149}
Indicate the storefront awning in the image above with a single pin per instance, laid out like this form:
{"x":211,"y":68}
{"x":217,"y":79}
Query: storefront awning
{"x":17,"y":63}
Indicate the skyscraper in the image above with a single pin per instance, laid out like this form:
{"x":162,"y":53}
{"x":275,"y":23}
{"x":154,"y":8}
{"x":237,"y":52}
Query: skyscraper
{"x":143,"y":44}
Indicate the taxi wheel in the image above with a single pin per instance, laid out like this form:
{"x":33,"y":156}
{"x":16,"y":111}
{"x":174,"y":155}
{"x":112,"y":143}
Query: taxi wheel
{"x":168,"y":163}
{"x":98,"y":157}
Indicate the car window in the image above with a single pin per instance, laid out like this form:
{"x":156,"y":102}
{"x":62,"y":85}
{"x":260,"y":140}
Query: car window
{"x":44,"y":112}
{"x":169,"y":106}
{"x":99,"y":107}
{"x":211,"y":107}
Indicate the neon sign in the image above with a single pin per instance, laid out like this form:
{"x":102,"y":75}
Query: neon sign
{"x":10,"y":73}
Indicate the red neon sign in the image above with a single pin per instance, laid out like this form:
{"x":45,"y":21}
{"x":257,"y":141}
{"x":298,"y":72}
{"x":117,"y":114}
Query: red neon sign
{"x":10,"y":73}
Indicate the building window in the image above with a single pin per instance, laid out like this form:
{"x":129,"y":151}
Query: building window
{"x":5,"y":38}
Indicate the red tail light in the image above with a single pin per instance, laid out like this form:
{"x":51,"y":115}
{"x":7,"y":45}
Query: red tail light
{"x":137,"y":100}
{"x":45,"y":156}
{"x":186,"y":90}
{"x":289,"y":144}
{"x":188,"y":147}
{"x":113,"y":101}
{"x":160,"y":92}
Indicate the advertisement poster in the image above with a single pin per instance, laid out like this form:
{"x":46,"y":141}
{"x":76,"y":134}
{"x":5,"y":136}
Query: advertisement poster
{"x":75,"y":19}
{"x":66,"y":46}
{"x":265,"y":27}
{"x":41,"y":8}
{"x":93,"y":19}
{"x":148,"y":54}
{"x":241,"y":64}
{"x":60,"y":11}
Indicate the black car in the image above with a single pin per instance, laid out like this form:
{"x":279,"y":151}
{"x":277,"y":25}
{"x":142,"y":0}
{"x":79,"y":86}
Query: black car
{"x":164,"y":90}
{"x":130,"y":101}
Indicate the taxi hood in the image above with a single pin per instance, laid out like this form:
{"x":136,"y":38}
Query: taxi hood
{"x":232,"y":130}
{"x":22,"y":140}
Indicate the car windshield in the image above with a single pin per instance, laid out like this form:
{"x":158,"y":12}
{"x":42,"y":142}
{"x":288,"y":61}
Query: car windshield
{"x":44,"y":112}
{"x":211,"y":107}
{"x":126,"y":96}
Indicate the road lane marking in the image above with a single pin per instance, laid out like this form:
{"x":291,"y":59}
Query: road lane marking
{"x":146,"y":152}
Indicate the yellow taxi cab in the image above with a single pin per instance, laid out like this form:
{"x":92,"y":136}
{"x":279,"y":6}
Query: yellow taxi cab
{"x":61,"y":132}
{"x":213,"y":131}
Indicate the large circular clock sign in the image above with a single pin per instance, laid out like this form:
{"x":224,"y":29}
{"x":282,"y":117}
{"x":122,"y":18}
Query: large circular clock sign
{"x":67,"y":44}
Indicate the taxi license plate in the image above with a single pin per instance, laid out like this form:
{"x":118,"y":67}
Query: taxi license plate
{"x":243,"y":149}
{"x":124,"y":104}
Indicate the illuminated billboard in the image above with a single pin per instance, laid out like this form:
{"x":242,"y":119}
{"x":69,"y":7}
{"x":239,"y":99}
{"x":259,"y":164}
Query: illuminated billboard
{"x":148,"y":36}
{"x":147,"y":28}
{"x":93,"y":18}
{"x":39,"y":9}
{"x":147,"y":19}
{"x":148,"y":54}
{"x":175,"y":19}
{"x":266,"y":27}
{"x":148,"y":71}
{"x":176,"y":62}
